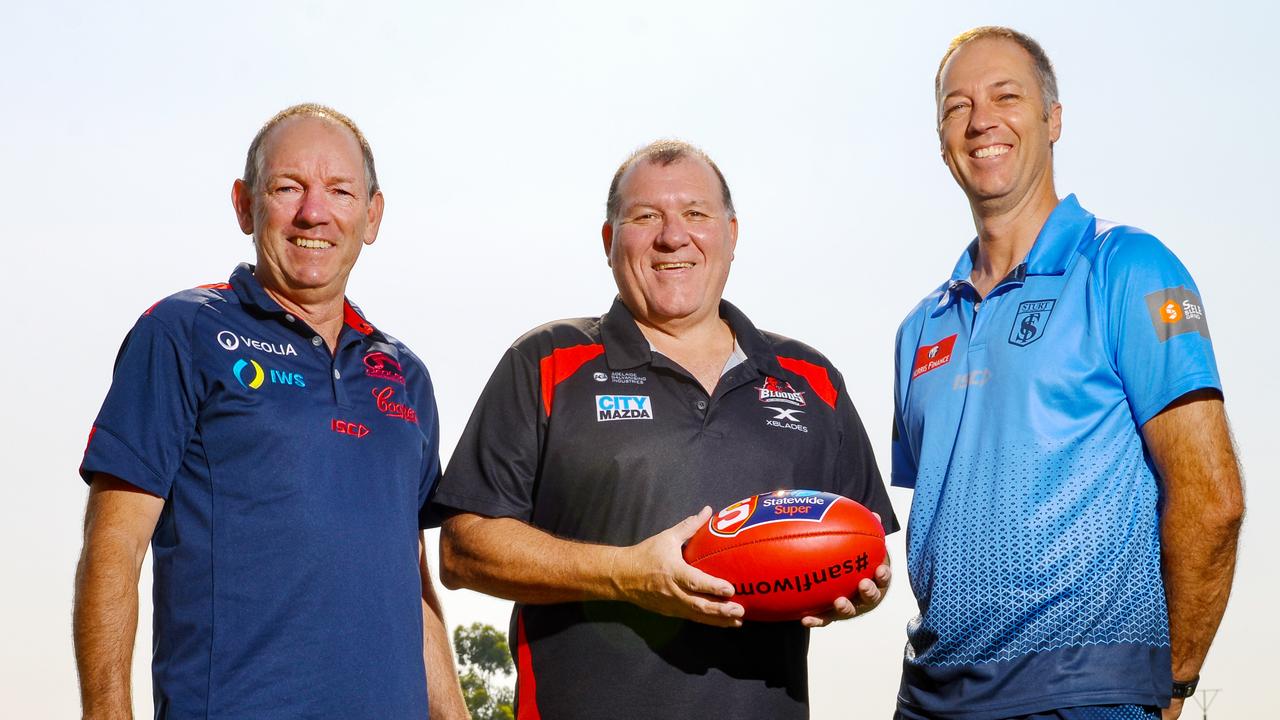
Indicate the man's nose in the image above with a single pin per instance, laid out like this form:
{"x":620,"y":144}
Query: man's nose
{"x":314,"y":208}
{"x":981,"y":118}
{"x":675,"y":233}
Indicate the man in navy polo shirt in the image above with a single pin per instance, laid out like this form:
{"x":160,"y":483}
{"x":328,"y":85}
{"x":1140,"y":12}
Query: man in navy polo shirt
{"x":598,"y":445}
{"x":1058,"y":412}
{"x":275,"y":450}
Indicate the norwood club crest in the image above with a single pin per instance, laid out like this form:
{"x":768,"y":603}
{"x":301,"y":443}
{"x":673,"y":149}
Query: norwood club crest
{"x":1028,"y":324}
{"x":775,"y":390}
{"x":932,"y":357}
{"x":382,"y":366}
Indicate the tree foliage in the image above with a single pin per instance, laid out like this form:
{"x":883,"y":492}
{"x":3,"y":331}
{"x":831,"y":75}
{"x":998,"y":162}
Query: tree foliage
{"x":484,"y":667}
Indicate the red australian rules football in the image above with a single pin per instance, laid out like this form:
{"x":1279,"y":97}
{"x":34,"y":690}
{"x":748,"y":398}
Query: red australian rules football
{"x":789,"y":553}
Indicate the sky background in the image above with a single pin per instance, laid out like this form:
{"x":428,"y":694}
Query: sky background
{"x":497,"y":127}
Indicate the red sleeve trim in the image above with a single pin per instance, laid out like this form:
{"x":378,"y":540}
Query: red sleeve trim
{"x":560,"y":365}
{"x":816,"y":375}
{"x":526,"y":686}
{"x":354,"y":320}
{"x":214,"y":286}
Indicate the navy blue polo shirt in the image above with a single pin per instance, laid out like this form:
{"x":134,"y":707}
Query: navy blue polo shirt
{"x":286,"y":556}
{"x":586,"y":433}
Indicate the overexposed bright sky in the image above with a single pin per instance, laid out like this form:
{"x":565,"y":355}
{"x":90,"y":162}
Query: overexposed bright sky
{"x":497,"y":127}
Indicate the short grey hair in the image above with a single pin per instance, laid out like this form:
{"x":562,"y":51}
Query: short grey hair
{"x":253,"y":159}
{"x":1043,"y":67}
{"x":664,"y":153}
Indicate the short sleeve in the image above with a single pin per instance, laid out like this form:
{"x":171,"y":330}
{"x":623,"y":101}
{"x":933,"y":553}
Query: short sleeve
{"x":1156,"y":324}
{"x":903,"y":469}
{"x":430,"y":455}
{"x":149,"y":414}
{"x":859,"y":476}
{"x":494,"y":466}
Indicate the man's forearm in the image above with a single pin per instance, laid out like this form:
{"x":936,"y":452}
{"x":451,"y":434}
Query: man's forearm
{"x":105,"y":622}
{"x":1198,"y":562}
{"x":444,"y":693}
{"x":509,"y":559}
{"x":1202,"y":508}
{"x":118,"y":523}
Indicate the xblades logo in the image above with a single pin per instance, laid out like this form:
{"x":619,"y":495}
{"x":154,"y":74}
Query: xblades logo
{"x":788,"y":414}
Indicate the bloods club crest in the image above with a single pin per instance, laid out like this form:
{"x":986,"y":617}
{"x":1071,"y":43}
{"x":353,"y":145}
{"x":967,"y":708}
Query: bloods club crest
{"x":775,"y":390}
{"x":1028,"y":324}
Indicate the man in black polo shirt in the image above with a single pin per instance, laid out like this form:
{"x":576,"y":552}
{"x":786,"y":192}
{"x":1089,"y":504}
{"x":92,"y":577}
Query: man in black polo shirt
{"x":571,"y":489}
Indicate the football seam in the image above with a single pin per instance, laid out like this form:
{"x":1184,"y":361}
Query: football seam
{"x":786,"y":537}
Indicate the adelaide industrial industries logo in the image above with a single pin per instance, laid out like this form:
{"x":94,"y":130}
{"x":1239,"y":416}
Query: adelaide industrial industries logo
{"x":623,"y":407}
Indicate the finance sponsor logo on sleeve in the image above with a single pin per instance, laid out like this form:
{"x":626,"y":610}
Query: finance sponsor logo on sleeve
{"x":1175,"y":311}
{"x":623,"y":407}
{"x":380,"y":365}
{"x":387,"y":405}
{"x":778,"y":506}
{"x":1028,"y":324}
{"x":230,"y":341}
{"x":932,"y":357}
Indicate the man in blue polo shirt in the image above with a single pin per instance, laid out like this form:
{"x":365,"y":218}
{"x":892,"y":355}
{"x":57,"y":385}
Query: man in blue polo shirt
{"x":1059,"y":415}
{"x":275,"y":449}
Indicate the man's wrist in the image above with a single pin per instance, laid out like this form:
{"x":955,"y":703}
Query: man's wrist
{"x":1183,"y":689}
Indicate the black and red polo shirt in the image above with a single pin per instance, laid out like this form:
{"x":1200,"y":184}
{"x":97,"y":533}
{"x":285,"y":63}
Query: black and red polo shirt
{"x":586,"y":433}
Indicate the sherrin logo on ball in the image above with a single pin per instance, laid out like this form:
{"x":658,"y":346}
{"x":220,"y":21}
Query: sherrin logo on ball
{"x":789,"y":553}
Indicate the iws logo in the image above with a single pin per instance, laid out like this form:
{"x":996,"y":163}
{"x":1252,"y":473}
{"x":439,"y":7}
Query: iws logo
{"x":382,"y":366}
{"x":623,"y":407}
{"x":932,"y":357}
{"x":1175,"y":311}
{"x":255,"y":378}
{"x":230,"y":341}
{"x":391,"y":408}
{"x":1028,"y":324}
{"x":251,"y":375}
{"x":775,"y":390}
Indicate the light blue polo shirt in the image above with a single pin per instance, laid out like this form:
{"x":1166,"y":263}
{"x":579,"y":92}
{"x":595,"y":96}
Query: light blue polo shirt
{"x":1033,"y":544}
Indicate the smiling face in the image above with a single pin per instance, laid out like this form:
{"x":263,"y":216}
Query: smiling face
{"x":672,"y":242}
{"x":995,"y":133}
{"x":311,"y":212}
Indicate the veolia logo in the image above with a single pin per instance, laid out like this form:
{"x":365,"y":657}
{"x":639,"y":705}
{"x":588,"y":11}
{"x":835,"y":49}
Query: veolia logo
{"x":239,"y":370}
{"x":228,"y":340}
